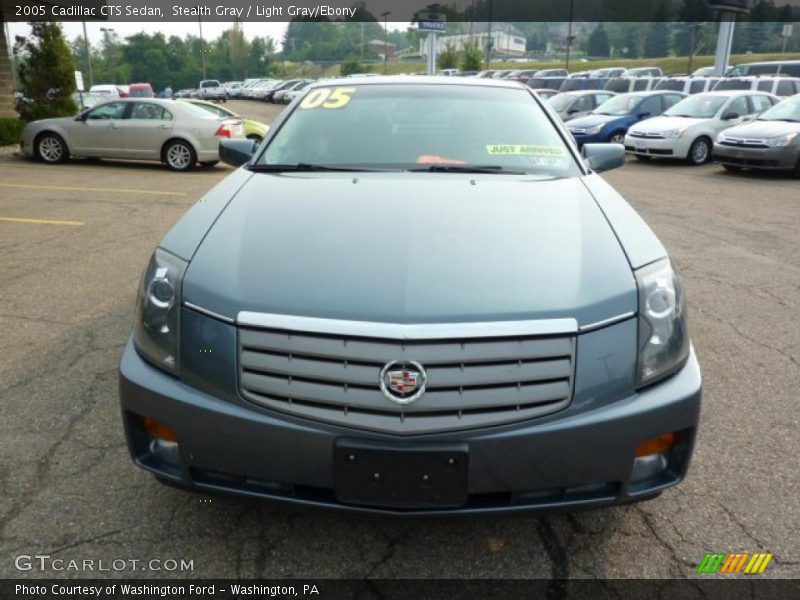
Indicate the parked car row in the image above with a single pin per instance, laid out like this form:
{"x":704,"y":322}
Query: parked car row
{"x":736,"y":128}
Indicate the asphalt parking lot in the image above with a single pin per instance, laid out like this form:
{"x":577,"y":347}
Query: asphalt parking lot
{"x":74,"y":240}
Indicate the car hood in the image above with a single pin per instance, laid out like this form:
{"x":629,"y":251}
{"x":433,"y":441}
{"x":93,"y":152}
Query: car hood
{"x":592,"y":121}
{"x":659,"y":124}
{"x":412,"y":248}
{"x":763,"y":129}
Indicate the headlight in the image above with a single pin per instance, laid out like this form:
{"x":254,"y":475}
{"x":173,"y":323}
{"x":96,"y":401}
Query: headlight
{"x":157,"y":317}
{"x":779,"y":142}
{"x":663,"y":336}
{"x":673,"y":133}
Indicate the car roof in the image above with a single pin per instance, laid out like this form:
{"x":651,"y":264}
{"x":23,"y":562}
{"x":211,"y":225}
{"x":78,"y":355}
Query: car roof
{"x":587,"y":92}
{"x":733,"y":93}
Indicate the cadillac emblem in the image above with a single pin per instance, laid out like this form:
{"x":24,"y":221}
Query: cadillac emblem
{"x":403,"y":382}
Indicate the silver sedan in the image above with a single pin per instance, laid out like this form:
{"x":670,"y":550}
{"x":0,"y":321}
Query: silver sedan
{"x":178,"y":134}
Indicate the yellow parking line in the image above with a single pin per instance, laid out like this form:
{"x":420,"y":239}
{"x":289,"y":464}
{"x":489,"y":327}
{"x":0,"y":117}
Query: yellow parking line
{"x":40,"y":221}
{"x":89,"y":189}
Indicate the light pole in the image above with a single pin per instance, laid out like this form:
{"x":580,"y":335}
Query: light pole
{"x":202,"y":46}
{"x":385,"y":39}
{"x":107,"y":31}
{"x":570,"y":37}
{"x":88,"y":55}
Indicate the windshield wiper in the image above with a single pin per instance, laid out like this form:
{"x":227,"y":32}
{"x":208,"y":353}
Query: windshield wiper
{"x":306,"y":167}
{"x":466,"y":169}
{"x":786,"y":120}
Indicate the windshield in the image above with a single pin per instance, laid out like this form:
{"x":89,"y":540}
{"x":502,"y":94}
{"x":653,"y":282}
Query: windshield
{"x":618,"y":105}
{"x":700,"y":106}
{"x":419,"y":127}
{"x":560,"y":102}
{"x":788,"y":110}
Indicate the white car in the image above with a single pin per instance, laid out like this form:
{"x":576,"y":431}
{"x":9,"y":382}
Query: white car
{"x":689,"y":128}
{"x":178,"y":134}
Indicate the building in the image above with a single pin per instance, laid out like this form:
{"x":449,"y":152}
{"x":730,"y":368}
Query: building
{"x":506,"y":40}
{"x":377,"y":47}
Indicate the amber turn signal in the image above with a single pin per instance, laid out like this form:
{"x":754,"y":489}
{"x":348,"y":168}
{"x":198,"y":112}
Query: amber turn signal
{"x":656,"y":445}
{"x":159,"y":430}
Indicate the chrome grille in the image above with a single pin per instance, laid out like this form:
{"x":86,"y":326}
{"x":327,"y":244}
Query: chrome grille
{"x":739,"y":142}
{"x":646,"y":135}
{"x":472,"y":382}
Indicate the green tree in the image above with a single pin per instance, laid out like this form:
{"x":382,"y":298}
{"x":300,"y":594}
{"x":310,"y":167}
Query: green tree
{"x":46,"y":73}
{"x":656,"y":42}
{"x":352,"y":65}
{"x":598,"y":44}
{"x":632,"y":43}
{"x":472,"y":59}
{"x":448,"y":58}
{"x":762,"y":17}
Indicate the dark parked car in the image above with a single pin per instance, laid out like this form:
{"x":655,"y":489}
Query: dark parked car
{"x":610,"y":121}
{"x":388,"y":311}
{"x":771,"y":142}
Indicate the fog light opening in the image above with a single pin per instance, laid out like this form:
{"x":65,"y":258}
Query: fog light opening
{"x":163,"y":444}
{"x":657,"y":445}
{"x":160,"y":431}
{"x":652,"y":457}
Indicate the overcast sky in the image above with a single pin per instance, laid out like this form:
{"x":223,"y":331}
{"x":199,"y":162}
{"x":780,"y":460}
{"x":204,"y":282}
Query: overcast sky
{"x":211,"y":30}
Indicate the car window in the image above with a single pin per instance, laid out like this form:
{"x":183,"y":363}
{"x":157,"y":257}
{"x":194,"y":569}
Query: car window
{"x":150,"y":111}
{"x":619,"y":105}
{"x":791,"y":70}
{"x":697,"y":86}
{"x":669,"y":100}
{"x":600,"y":98}
{"x":739,"y":106}
{"x":651,"y":106}
{"x":698,"y":106}
{"x":764,"y":86}
{"x":111,"y":110}
{"x":760,"y":103}
{"x":641,"y":84}
{"x":402,"y":127}
{"x":582,"y":104}
{"x":785,"y":88}
{"x":560,"y":102}
{"x":786,"y":110}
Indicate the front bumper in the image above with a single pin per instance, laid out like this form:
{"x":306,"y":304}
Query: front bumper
{"x":575,"y":461}
{"x":657,"y":147}
{"x":758,"y":158}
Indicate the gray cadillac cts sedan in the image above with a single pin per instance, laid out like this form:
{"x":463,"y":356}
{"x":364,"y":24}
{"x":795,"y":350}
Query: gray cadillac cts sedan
{"x":415,"y":297}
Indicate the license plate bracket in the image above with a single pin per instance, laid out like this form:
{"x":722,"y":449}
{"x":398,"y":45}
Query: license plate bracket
{"x":640,"y":148}
{"x":377,"y":475}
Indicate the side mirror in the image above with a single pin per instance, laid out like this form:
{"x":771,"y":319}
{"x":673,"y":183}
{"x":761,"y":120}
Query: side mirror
{"x":730,"y":116}
{"x":237,"y":152}
{"x":603,"y":157}
{"x":643,"y":115}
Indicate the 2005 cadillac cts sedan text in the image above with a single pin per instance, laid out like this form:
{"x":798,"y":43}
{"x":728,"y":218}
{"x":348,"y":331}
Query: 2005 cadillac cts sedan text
{"x":414,"y":298}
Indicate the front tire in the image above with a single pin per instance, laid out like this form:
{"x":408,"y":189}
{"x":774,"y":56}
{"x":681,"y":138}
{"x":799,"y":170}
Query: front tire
{"x":180,"y":156}
{"x":51,"y":148}
{"x":617,"y":138}
{"x":699,"y":152}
